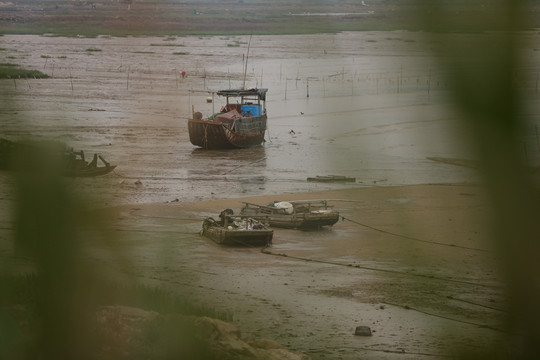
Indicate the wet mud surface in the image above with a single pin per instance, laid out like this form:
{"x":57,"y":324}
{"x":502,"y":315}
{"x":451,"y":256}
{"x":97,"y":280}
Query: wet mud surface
{"x":412,"y":263}
{"x":125,"y":99}
{"x":377,"y":109}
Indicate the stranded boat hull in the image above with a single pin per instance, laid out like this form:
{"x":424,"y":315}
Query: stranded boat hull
{"x":310,"y":214}
{"x":231,"y":231}
{"x":241,"y":123}
{"x":217,"y":135}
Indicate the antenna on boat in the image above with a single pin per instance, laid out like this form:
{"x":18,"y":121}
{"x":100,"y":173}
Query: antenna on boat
{"x":245,"y":65}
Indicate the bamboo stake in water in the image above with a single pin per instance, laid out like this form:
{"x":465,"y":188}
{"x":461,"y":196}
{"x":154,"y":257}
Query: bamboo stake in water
{"x":71,"y":79}
{"x":127,"y":79}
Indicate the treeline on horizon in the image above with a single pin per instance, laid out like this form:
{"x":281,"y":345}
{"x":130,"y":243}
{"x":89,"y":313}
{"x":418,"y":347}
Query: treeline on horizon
{"x":234,"y":17}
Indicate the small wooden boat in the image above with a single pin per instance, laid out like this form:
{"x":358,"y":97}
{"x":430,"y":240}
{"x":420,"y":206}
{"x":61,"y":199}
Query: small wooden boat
{"x":30,"y":156}
{"x":242,"y":231}
{"x":331,"y":178}
{"x":305,"y":214}
{"x":78,"y":167}
{"x":240,"y":123}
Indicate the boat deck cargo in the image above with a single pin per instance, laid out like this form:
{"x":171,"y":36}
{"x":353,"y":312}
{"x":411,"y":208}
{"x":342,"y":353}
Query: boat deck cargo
{"x":235,"y":230}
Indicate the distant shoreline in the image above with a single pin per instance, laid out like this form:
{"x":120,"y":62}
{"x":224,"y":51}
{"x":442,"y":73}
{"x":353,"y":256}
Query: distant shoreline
{"x":214,"y":18}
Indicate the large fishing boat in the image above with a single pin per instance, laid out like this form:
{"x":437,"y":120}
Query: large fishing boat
{"x":240,"y":123}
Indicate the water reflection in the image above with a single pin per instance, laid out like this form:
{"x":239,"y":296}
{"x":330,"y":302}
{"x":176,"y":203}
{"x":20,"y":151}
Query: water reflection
{"x":249,"y":161}
{"x":230,"y":172}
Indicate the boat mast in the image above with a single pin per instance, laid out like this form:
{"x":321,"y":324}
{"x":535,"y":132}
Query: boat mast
{"x":245,"y":67}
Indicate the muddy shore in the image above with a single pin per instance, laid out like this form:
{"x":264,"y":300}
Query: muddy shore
{"x":411,"y":259}
{"x":413,"y":263}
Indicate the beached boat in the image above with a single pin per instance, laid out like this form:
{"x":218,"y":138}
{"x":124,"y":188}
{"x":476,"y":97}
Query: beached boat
{"x":28,"y":155}
{"x":331,"y":178}
{"x":241,"y":122}
{"x":305,"y":214}
{"x":231,"y":230}
{"x":78,"y":167}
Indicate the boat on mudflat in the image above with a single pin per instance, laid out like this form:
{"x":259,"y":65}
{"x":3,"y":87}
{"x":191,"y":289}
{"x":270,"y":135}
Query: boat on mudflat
{"x":77,"y":166}
{"x":304,"y":214}
{"x":236,"y":230}
{"x":241,"y":122}
{"x":50,"y":156}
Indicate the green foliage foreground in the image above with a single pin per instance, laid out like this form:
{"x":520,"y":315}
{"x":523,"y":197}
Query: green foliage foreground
{"x":61,"y":306}
{"x":156,"y":338}
{"x":9,"y":72}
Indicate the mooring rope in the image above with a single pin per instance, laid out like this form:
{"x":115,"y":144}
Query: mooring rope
{"x":403,"y":352}
{"x":413,"y":238}
{"x":404,"y":273}
{"x":476,"y":304}
{"x":446,"y":317}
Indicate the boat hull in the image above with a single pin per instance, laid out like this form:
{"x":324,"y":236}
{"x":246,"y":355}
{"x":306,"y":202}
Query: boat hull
{"x":296,"y":221}
{"x":294,"y":215}
{"x":224,"y":236}
{"x":217,"y":135}
{"x":90,"y":172}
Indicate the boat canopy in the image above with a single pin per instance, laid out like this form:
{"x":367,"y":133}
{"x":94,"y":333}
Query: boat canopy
{"x":261,"y":93}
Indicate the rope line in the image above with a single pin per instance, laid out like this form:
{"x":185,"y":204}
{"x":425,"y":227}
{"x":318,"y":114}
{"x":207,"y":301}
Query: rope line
{"x":476,"y":304}
{"x":241,"y":166}
{"x":392,"y":352}
{"x":413,"y":238}
{"x":267,"y":252}
{"x":446,"y":318}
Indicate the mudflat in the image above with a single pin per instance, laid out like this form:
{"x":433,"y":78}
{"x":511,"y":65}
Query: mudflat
{"x":413,"y":263}
{"x":411,"y":258}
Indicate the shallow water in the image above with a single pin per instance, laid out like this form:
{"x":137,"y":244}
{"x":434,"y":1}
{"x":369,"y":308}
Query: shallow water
{"x":377,"y":107}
